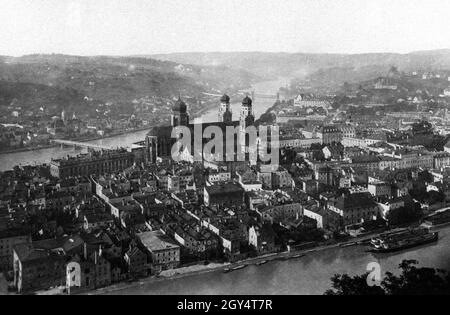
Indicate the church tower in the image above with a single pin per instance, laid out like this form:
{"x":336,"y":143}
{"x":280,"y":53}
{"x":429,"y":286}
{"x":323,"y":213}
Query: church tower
{"x":179,"y":117}
{"x":151,"y":152}
{"x":246,"y":119}
{"x":225,"y":114}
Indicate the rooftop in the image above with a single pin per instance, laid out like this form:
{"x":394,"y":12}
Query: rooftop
{"x":156,"y":241}
{"x":224,"y":188}
{"x":355,"y":201}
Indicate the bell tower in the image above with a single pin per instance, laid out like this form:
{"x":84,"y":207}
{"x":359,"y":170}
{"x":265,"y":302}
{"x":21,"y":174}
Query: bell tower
{"x":246,"y":119}
{"x":179,"y":117}
{"x":225,"y":114}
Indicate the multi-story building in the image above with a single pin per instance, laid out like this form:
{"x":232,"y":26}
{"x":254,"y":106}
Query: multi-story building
{"x":355,"y":208}
{"x":331,"y":134}
{"x":224,"y":194}
{"x":325,"y":219}
{"x":302,"y":143}
{"x":262,"y":238}
{"x":441,"y":160}
{"x":36,"y":269}
{"x":379,"y":188}
{"x":348,"y":131}
{"x":176,"y":181}
{"x":281,"y":179}
{"x":324,"y":175}
{"x":42,"y":264}
{"x":95,"y":162}
{"x":358,"y":142}
{"x":196,"y":240}
{"x":369,"y":162}
{"x":302,"y":101}
{"x":412,"y":158}
{"x":137,"y":261}
{"x":164,"y":252}
{"x":9,"y":239}
{"x":216,"y":176}
{"x":279,"y":212}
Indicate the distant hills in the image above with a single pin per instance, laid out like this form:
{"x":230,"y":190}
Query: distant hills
{"x":301,"y":64}
{"x":62,"y":80}
{"x":33,"y":96}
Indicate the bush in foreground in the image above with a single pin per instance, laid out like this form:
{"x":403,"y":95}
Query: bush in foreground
{"x":411,"y":281}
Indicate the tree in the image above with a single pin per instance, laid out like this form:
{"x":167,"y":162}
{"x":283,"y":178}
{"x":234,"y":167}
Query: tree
{"x":357,"y":285}
{"x":288,"y":156}
{"x":435,"y":197}
{"x":411,"y":281}
{"x":404,"y":215}
{"x":267,"y":118}
{"x":425,"y":177}
{"x":417,"y":281}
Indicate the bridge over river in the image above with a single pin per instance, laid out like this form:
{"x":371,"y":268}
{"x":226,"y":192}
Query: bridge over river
{"x":253,"y":95}
{"x":77,"y":144}
{"x":66,"y":147}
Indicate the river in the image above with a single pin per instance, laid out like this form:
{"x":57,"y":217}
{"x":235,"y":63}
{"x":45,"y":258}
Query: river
{"x":307,"y":275}
{"x":260,"y":105}
{"x":9,"y":160}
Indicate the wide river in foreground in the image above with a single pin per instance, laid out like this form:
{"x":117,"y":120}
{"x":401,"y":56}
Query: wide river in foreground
{"x":9,"y":160}
{"x":307,"y":275}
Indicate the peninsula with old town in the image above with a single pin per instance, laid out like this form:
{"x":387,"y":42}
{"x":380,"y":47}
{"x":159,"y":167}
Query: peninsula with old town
{"x":352,"y":168}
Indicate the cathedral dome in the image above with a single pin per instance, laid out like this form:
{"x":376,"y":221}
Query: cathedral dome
{"x":225,"y":99}
{"x":179,"y":106}
{"x":247,"y":101}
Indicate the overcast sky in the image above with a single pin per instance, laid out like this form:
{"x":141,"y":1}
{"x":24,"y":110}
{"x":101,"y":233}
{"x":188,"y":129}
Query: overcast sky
{"x":126,"y":27}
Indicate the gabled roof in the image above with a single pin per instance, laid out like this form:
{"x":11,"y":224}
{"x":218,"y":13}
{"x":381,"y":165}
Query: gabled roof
{"x":355,"y":201}
{"x":67,"y":243}
{"x":135,"y":251}
{"x":156,"y":241}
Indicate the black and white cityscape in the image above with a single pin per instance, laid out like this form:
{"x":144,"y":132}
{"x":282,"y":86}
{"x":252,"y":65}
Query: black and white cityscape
{"x":238,"y":147}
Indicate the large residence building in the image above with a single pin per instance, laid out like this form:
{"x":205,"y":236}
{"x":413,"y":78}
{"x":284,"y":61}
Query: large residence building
{"x":94,"y":162}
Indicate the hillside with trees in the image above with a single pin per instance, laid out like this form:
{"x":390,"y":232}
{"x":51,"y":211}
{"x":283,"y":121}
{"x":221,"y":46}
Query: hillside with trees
{"x":107,"y":79}
{"x":359,"y":66}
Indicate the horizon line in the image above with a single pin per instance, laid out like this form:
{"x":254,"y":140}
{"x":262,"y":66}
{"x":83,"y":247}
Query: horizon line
{"x":227,"y":52}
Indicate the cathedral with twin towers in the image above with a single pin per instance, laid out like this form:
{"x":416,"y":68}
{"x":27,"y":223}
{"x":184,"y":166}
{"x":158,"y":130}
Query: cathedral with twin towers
{"x":159,"y":141}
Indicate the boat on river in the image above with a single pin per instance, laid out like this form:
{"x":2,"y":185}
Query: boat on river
{"x":238,"y":267}
{"x":414,"y":237}
{"x":298,"y":256}
{"x":226,"y":270}
{"x":375,"y":241}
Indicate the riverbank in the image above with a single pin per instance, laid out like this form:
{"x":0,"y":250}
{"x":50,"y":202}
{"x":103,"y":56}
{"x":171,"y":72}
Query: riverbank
{"x":94,"y":138}
{"x":276,"y":261}
{"x":164,"y":276}
{"x":202,"y":269}
{"x":357,"y":245}
{"x":44,"y":154}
